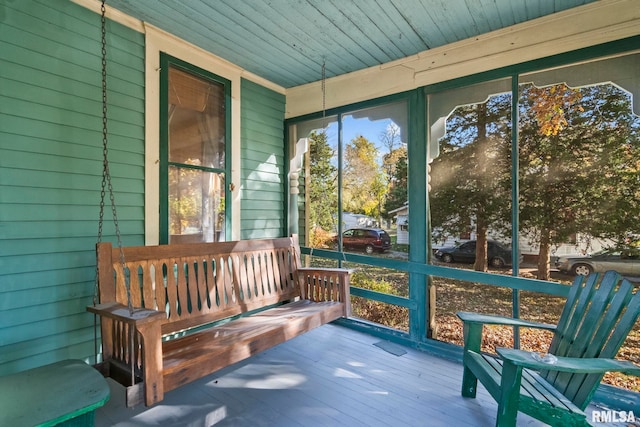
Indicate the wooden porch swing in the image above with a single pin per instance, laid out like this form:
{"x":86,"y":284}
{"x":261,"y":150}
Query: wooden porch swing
{"x":171,"y":314}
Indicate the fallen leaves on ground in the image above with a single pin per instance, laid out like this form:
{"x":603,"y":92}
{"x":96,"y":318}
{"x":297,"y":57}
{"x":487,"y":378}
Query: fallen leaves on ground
{"x":453,"y":296}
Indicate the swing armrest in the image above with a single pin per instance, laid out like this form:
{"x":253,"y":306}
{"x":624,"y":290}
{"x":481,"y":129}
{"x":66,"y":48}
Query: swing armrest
{"x":148,"y":323}
{"x":326,"y":284}
{"x":117,"y":311}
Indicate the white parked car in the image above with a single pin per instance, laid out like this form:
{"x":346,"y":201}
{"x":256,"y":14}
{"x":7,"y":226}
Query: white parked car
{"x":625,"y":263}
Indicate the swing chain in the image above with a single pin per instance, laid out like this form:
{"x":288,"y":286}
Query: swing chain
{"x":324,"y":88}
{"x":106,"y":175}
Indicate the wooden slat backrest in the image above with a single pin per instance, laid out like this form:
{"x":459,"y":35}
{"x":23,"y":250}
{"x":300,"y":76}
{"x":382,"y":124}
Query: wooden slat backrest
{"x":599,"y":313}
{"x":202,"y":282}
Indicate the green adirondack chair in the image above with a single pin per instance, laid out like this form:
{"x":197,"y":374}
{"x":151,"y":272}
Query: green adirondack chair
{"x":599,"y":313}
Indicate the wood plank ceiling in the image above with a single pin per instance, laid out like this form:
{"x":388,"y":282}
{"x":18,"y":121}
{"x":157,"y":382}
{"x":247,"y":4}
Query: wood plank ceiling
{"x":287,"y":41}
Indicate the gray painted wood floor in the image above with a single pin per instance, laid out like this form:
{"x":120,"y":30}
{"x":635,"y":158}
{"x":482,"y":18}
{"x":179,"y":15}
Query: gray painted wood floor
{"x":331,"y":376}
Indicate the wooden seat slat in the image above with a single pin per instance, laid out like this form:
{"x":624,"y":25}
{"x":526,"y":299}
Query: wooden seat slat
{"x":212,"y":350}
{"x":243,"y":297}
{"x":247,"y":328}
{"x":532,"y":386}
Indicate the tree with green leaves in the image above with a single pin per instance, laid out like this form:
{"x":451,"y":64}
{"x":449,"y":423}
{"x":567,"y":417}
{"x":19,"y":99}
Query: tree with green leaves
{"x":398,"y":182}
{"x":470,"y":179}
{"x":394,"y":165}
{"x":322,"y":186}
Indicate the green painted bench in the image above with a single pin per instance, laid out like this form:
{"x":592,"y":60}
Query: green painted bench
{"x":65,"y":393}
{"x":599,"y":313}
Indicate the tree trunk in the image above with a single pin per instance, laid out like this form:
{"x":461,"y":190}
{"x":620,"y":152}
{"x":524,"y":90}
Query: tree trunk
{"x":544,"y":269}
{"x":432,"y":329}
{"x":481,"y":245}
{"x":481,"y":218}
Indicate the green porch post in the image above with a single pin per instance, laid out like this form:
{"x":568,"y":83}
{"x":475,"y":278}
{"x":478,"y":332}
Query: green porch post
{"x":417,"y":195}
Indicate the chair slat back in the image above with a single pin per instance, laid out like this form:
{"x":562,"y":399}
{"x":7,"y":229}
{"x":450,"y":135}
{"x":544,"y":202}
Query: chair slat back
{"x":599,"y":313}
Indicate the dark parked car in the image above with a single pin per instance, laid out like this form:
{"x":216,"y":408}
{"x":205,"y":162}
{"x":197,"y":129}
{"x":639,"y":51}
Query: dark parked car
{"x":366,"y":239}
{"x":626,"y":263}
{"x":497,"y":254}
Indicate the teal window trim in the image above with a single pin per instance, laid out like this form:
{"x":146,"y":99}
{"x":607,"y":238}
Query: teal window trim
{"x":288,"y":154}
{"x":340,"y":182}
{"x":196,"y":167}
{"x":513,"y":72}
{"x":167,"y":61}
{"x":338,"y":113}
{"x":401,"y":96}
{"x":515,"y":203}
{"x":417,"y":196}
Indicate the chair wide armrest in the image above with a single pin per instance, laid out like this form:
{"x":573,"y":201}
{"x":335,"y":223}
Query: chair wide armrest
{"x":488,"y":319}
{"x":569,"y":364}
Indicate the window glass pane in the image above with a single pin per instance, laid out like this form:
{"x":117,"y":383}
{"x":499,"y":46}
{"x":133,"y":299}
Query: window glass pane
{"x":318,"y":198}
{"x":389,"y":315}
{"x":470,"y":176}
{"x":194,"y":156}
{"x":385,"y":281}
{"x":579,"y":131}
{"x":196,"y":205}
{"x":379,"y":279}
{"x":196,"y":120}
{"x":458,"y":295}
{"x":579,"y":138}
{"x":578,"y":154}
{"x":374,"y":178}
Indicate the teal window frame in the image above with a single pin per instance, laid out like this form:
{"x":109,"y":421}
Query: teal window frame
{"x":167,"y":61}
{"x":415,"y":101}
{"x":419,"y":267}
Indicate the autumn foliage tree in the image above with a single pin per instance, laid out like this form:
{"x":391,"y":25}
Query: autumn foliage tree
{"x":579,"y":171}
{"x":579,"y":152}
{"x":363,"y":181}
